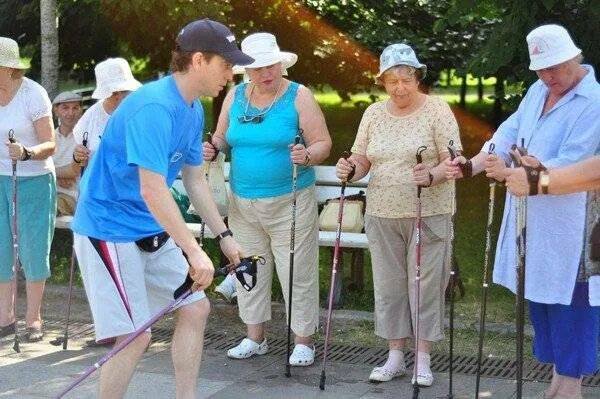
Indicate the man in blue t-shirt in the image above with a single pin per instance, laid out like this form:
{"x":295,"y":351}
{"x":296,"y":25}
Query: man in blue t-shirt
{"x":133,"y":245}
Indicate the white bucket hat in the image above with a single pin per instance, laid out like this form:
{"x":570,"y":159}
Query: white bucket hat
{"x":398,"y":54}
{"x":113,"y":74}
{"x":9,"y":54}
{"x":265,"y":51}
{"x":550,"y":45}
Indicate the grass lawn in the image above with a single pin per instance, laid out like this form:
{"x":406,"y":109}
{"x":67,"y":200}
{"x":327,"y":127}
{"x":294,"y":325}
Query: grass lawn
{"x":472,"y":197}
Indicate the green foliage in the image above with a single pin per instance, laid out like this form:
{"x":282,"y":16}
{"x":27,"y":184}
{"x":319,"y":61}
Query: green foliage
{"x":85,"y":36}
{"x":505,"y":51}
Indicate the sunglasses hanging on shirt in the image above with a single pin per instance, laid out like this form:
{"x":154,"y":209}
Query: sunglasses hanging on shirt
{"x":258,"y":118}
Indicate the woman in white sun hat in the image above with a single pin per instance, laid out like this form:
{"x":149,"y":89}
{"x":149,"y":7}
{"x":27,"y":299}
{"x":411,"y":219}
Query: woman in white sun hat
{"x":388,"y":137}
{"x":26,"y":111}
{"x":114,"y":81}
{"x":258,"y":122}
{"x":558,"y":119}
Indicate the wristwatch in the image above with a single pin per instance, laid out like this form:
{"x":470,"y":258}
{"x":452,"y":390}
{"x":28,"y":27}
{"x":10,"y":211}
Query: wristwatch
{"x":544,"y":181}
{"x":224,"y":234}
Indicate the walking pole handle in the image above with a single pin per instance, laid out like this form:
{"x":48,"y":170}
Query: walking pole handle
{"x":346,"y":155}
{"x":419,"y":157}
{"x":11,"y":138}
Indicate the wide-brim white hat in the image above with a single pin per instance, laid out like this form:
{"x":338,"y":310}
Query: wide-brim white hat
{"x":9,"y":54}
{"x":265,"y":51}
{"x":112,"y":75}
{"x":550,"y":45}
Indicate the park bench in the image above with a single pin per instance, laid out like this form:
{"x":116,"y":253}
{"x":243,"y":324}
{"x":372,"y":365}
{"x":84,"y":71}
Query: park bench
{"x":327,"y":187}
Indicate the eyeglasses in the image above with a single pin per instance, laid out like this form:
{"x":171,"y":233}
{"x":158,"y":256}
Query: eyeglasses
{"x":251,"y":118}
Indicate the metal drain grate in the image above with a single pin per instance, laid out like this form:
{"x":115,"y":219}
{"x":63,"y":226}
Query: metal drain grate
{"x":219,"y":340}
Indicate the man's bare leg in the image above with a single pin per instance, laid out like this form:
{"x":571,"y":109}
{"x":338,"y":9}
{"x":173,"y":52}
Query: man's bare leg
{"x":188,"y":341}
{"x":116,"y":373}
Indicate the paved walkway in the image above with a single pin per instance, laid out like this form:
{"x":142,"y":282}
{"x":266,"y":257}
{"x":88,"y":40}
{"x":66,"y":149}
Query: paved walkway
{"x":42,"y":370}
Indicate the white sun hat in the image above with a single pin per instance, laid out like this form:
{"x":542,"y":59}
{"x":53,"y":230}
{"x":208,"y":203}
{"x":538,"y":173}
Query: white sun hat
{"x":550,"y":45}
{"x":9,"y":54}
{"x":399,"y":54}
{"x":112,"y":75}
{"x":265,"y":51}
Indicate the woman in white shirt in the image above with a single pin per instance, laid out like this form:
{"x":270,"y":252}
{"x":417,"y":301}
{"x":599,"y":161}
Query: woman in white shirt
{"x":25,"y":110}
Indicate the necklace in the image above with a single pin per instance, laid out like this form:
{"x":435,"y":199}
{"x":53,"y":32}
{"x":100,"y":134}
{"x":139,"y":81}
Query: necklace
{"x":260,"y":116}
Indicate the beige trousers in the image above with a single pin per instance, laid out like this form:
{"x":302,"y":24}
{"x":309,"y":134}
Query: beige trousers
{"x":262,"y":227}
{"x":393,"y":258}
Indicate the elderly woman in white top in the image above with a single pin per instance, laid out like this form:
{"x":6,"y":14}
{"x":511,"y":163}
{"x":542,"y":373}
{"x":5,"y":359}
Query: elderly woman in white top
{"x":558,"y":121}
{"x":114,"y":81}
{"x":25,"y":112}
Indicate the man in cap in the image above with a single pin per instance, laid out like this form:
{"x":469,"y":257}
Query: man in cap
{"x":558,"y":122}
{"x":131,"y":241}
{"x":67,"y":109}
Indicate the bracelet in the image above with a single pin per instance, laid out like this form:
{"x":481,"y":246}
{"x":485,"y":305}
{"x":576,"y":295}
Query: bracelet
{"x":307,"y":157}
{"x":467,"y":168}
{"x":224,"y":234}
{"x":430,"y":180}
{"x":26,"y":154}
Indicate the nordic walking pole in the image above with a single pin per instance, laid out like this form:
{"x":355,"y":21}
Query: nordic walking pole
{"x":334,"y":267}
{"x":486,"y":276}
{"x":247,"y":265}
{"x":417,"y":281}
{"x":453,"y":154}
{"x":292,"y":247}
{"x":521,"y":205}
{"x":15,"y":241}
{"x":65,"y":339}
{"x":206,"y":175}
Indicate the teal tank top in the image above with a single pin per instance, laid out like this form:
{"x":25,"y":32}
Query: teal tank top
{"x":260,"y":157}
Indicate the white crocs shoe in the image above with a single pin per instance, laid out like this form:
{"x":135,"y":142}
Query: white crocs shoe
{"x":227,"y":288}
{"x":248,"y":348}
{"x":424,"y":374}
{"x":382,"y":374}
{"x":302,"y":355}
{"x":424,"y":378}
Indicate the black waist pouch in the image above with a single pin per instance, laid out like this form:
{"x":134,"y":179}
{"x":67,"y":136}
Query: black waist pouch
{"x":153,"y":243}
{"x":595,"y":242}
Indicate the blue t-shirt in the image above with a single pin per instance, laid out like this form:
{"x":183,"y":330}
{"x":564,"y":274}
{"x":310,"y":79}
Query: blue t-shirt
{"x":153,"y":128}
{"x":260,"y":157}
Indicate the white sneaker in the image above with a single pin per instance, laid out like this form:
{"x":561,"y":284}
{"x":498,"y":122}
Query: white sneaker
{"x":248,"y":348}
{"x":381,"y":374}
{"x":227,"y":288}
{"x":302,"y":355}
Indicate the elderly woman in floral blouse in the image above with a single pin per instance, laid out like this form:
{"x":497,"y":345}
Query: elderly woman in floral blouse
{"x":388,"y":137}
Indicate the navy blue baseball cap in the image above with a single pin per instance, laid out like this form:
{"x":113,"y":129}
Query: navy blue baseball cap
{"x":213,"y":37}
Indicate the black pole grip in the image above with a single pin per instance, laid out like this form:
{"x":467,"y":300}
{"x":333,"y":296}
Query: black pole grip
{"x":11,"y":136}
{"x":346,"y":155}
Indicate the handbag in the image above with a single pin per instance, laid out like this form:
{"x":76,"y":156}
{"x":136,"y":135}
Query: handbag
{"x":353,"y":220}
{"x":216,"y":184}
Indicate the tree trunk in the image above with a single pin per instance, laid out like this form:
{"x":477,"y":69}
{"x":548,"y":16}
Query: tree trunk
{"x":498,"y":99}
{"x":448,"y":77}
{"x":463,"y":92}
{"x":480,"y":88}
{"x":49,"y":31}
